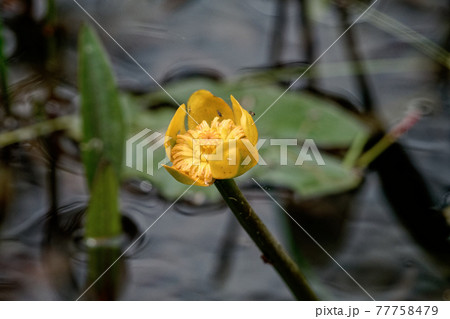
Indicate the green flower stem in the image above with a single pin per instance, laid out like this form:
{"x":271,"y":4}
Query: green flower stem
{"x":390,"y":138}
{"x":357,"y":147}
{"x":369,"y":156}
{"x":262,"y":237}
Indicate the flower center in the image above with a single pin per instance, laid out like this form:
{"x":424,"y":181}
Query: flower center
{"x":190,"y":159}
{"x":208,"y":141}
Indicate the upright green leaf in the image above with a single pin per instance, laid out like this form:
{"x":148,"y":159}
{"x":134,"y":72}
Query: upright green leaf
{"x":103,"y":136}
{"x":103,"y":218}
{"x":102,"y":114}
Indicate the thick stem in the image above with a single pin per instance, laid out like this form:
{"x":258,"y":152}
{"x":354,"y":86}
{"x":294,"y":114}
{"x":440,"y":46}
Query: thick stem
{"x":262,"y":237}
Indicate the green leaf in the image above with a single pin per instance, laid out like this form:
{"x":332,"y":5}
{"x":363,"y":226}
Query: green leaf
{"x":102,"y":115}
{"x":300,"y":116}
{"x":103,"y":216}
{"x":308,"y":179}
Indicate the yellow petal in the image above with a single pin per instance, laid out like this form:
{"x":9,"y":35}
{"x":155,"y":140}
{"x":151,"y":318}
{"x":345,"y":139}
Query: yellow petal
{"x":244,"y":119}
{"x":228,"y":165}
{"x":184,"y":178}
{"x":234,"y":160}
{"x":176,"y":127}
{"x":203,"y":106}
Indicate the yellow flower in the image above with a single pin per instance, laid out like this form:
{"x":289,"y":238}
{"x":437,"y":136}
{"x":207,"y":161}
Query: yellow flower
{"x":209,"y":140}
